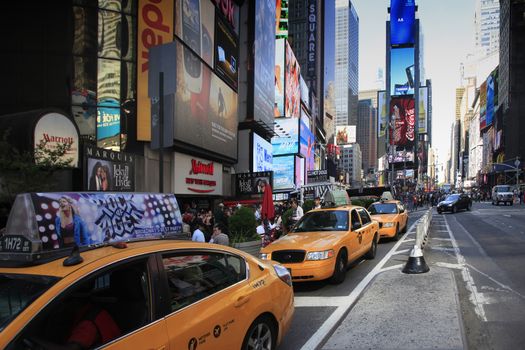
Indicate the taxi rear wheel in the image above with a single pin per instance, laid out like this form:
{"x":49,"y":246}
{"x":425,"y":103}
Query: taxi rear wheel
{"x":340,"y":268}
{"x":262,"y":335}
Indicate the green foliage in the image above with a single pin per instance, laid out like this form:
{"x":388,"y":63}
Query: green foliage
{"x":308,"y":205}
{"x":242,"y":226}
{"x":286,"y":216}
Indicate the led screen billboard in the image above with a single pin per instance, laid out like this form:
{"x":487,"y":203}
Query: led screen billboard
{"x":281,"y":18}
{"x":205,"y":112}
{"x":279,"y":77}
{"x":226,"y":53}
{"x":382,"y":114}
{"x":307,"y":143}
{"x":305,"y":93}
{"x":195,"y":26}
{"x":292,"y":102}
{"x":262,"y":154}
{"x":108,"y":127}
{"x":402,"y":121}
{"x":264,"y":61}
{"x":401,"y":157}
{"x":287,"y":139}
{"x":402,"y":20}
{"x":483,"y":105}
{"x":402,"y":71}
{"x":423,"y":110}
{"x":283,"y":173}
{"x":299,"y":172}
{"x":345,"y":135}
{"x":490,"y":100}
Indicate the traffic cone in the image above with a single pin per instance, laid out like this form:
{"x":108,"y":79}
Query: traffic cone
{"x":416,"y":262}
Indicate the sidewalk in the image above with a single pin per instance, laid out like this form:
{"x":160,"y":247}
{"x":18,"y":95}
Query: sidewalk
{"x":400,"y":311}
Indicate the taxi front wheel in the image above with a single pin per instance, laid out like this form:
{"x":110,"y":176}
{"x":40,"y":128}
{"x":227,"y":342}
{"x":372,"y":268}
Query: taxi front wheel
{"x":339,"y":268}
{"x":262,"y":335}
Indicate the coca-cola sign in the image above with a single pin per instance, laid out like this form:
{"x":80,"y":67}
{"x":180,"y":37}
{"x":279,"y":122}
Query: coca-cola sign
{"x":402,"y":121}
{"x":196,"y":176}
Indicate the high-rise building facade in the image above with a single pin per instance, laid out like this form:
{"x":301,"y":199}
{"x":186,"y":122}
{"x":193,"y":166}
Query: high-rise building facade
{"x":346,"y":63}
{"x":350,"y":163}
{"x":366,"y":135}
{"x":486,"y":28}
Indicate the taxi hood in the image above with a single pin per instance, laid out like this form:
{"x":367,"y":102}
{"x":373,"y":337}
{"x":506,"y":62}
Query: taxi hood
{"x":309,"y":241}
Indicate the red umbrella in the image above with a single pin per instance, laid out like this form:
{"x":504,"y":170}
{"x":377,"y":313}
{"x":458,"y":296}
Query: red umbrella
{"x":267,"y":210}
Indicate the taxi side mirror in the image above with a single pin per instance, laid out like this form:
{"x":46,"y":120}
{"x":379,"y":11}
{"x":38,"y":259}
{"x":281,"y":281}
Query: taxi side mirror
{"x":356,"y":225}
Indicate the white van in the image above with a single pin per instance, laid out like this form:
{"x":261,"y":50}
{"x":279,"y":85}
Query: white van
{"x":502,"y":194}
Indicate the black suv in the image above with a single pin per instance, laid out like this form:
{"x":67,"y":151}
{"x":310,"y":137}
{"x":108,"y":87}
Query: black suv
{"x":455,"y":202}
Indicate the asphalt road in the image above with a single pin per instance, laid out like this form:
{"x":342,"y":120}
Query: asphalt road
{"x":316,"y":301}
{"x":489,"y":268}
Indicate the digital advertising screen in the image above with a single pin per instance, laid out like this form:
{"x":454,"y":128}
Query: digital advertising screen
{"x":382,"y":114}
{"x":402,"y":71}
{"x":345,"y":134}
{"x":423,"y":110}
{"x":483,"y":106}
{"x":195,"y":26}
{"x":402,"y":22}
{"x":226,"y":53}
{"x":262,"y":154}
{"x":279,"y":77}
{"x":402,"y":121}
{"x":108,"y":126}
{"x":490,"y":100}
{"x":307,"y":143}
{"x":305,"y":94}
{"x":283,"y":173}
{"x":292,"y":102}
{"x":264,"y":61}
{"x":205,"y":107}
{"x":401,"y":157}
{"x":299,"y":172}
{"x":287,"y":139}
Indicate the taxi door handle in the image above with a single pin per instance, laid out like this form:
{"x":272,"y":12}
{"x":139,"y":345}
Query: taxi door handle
{"x":241,"y":301}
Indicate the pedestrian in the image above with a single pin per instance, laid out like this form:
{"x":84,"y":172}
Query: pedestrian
{"x":297,"y":210}
{"x":198,"y":234}
{"x":317,"y":202}
{"x":219,"y":235}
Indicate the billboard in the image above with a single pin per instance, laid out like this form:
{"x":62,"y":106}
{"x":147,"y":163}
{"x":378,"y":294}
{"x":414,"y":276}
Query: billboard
{"x":299,"y":172}
{"x":401,"y":157}
{"x":206,"y":108}
{"x":402,"y":20}
{"x":483,"y":105}
{"x":490,"y":100}
{"x":287,"y":139}
{"x":155,"y":27}
{"x":279,"y":78}
{"x":109,"y":171}
{"x":382,"y":114}
{"x":262,"y":154}
{"x":281,"y":18}
{"x":283,"y":173}
{"x":402,"y":121}
{"x":307,"y":143}
{"x":108,"y":127}
{"x":196,"y":176}
{"x":345,"y":134}
{"x":252,"y":183}
{"x":305,"y":92}
{"x":312,"y":42}
{"x":292,"y":102}
{"x":423,"y":110}
{"x":264,"y":61}
{"x":402,"y":71}
{"x":226,"y":53}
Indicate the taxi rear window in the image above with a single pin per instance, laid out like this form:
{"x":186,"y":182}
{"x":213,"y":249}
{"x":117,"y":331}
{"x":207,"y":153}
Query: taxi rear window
{"x":19,"y":291}
{"x":383,"y":208}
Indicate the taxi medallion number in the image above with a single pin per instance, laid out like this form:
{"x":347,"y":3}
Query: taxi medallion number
{"x":15,"y":244}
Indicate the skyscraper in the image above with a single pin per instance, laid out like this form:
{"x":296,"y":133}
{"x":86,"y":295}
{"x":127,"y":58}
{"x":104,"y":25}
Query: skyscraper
{"x":486,"y":28}
{"x":346,"y":63}
{"x":367,"y":133}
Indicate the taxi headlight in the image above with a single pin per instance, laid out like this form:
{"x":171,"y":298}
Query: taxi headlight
{"x":388,"y":224}
{"x":264,"y":256}
{"x":322,"y":255}
{"x":283,"y":274}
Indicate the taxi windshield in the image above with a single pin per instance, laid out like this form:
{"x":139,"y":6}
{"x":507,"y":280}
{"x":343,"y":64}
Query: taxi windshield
{"x":383,"y":208}
{"x":329,"y":220}
{"x":18,"y":291}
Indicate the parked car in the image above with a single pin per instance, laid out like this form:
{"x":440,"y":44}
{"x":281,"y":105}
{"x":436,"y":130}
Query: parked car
{"x":391,"y":216}
{"x":502,"y":194}
{"x":323,"y":243}
{"x":455,"y":202}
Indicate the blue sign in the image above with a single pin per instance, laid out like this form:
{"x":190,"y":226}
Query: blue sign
{"x":402,"y":71}
{"x":262,"y":154}
{"x":307,"y":145}
{"x":490,"y":100}
{"x":287,"y":139}
{"x":108,"y":120}
{"x":283,"y":173}
{"x":402,"y":19}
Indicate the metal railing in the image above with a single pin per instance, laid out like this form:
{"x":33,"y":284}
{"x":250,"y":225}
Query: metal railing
{"x":422,"y":229}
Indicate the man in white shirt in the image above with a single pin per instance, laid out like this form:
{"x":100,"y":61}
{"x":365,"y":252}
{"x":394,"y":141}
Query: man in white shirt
{"x":198,"y":235}
{"x":297,"y":210}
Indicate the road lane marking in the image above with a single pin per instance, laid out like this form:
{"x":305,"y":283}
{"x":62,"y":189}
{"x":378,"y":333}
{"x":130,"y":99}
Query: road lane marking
{"x":331,"y":322}
{"x":401,"y":251}
{"x":441,"y":239}
{"x":393,"y":267}
{"x":319,"y":301}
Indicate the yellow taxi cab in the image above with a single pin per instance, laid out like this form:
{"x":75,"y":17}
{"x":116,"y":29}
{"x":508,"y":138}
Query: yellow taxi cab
{"x":391,"y":216}
{"x":324,"y":241}
{"x":132,"y":286}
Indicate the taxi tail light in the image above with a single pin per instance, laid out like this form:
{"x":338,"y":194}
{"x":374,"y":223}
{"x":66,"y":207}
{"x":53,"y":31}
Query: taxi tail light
{"x":283,"y":274}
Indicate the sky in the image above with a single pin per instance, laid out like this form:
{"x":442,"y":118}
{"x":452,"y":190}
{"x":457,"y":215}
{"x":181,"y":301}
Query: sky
{"x":448,"y":29}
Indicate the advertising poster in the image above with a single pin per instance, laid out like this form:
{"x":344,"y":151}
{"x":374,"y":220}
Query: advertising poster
{"x":401,"y":157}
{"x":423,"y":110}
{"x":195,"y":26}
{"x":345,"y":135}
{"x":279,"y":78}
{"x":299,"y":172}
{"x":305,"y":94}
{"x":281,"y":19}
{"x":252,"y":183}
{"x":382,"y":114}
{"x":292,"y":101}
{"x":402,"y":71}
{"x":490,"y":101}
{"x":205,"y":107}
{"x":66,"y":219}
{"x":226,"y":54}
{"x":264,"y":61}
{"x":109,"y":171}
{"x":307,"y":143}
{"x":108,"y":126}
{"x":422,"y":157}
{"x":262,"y":154}
{"x":402,"y":19}
{"x":402,"y":121}
{"x":283,"y":173}
{"x":483,"y":106}
{"x":287,"y":139}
